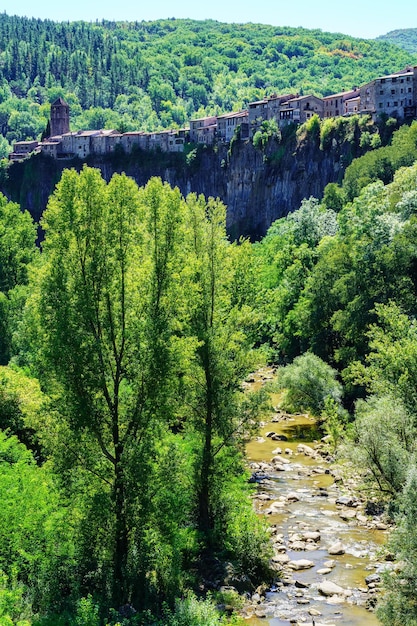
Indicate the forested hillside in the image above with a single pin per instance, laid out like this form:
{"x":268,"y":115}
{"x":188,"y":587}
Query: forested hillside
{"x":405,"y":38}
{"x":151,"y":75}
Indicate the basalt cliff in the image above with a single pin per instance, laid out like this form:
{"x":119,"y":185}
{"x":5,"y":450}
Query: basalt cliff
{"x":257,"y":185}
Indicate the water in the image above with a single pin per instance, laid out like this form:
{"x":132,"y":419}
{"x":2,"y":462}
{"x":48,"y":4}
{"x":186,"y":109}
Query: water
{"x":316,"y":492}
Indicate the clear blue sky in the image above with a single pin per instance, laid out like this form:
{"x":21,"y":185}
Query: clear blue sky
{"x":359,"y":18}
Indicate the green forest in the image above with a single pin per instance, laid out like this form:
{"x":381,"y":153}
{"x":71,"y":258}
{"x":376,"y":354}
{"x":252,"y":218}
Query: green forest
{"x":125,"y":339}
{"x":405,"y":38}
{"x":154,"y":75}
{"x":127,"y":333}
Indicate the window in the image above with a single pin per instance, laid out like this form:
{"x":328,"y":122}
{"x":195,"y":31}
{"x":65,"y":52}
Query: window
{"x":395,"y":103}
{"x":392,"y":91}
{"x":381,"y":92}
{"x":380,"y":105}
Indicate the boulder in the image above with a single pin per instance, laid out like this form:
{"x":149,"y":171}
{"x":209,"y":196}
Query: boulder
{"x":328,"y":588}
{"x":300,"y":564}
{"x":336,"y":549}
{"x":348,"y":501}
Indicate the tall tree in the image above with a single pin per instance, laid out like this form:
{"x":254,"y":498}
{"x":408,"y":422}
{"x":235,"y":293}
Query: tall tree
{"x":104,"y":310}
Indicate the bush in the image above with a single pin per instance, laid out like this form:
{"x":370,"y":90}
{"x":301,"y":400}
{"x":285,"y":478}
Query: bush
{"x":307,"y":382}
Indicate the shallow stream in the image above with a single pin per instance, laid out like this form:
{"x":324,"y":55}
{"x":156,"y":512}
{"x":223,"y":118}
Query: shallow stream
{"x":298,"y":493}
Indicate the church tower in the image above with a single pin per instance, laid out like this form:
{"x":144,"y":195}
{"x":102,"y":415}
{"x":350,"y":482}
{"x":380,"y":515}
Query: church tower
{"x":59,"y":117}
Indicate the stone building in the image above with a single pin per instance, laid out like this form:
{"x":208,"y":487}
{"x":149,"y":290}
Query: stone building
{"x":60,"y":119}
{"x":266,"y":109}
{"x":337,"y":104}
{"x":394,"y":95}
{"x":301,"y":109}
{"x":227,"y":124}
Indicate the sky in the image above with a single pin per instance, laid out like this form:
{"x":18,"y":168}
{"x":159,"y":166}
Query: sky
{"x":359,"y":18}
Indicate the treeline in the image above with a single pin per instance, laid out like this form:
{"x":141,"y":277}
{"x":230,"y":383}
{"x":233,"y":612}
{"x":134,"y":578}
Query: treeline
{"x":154,"y":75}
{"x":405,"y":38}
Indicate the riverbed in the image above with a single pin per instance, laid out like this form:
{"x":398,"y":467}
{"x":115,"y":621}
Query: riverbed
{"x":319,"y":530}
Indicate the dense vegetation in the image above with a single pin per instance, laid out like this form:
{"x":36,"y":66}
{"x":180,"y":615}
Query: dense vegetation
{"x":405,"y":38}
{"x":151,"y":75}
{"x":124,"y":344}
{"x":127,"y":487}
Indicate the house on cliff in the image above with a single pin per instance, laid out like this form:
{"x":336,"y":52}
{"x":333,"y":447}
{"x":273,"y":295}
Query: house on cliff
{"x":227,"y":124}
{"x":394,"y":95}
{"x":339,"y":103}
{"x":300,"y":109}
{"x":266,"y":109}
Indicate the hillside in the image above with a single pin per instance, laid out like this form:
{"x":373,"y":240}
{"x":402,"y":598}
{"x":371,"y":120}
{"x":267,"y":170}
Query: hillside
{"x":405,"y":38}
{"x":152,"y":75}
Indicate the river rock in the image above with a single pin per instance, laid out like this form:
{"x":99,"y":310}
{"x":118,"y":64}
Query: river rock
{"x":277,"y":451}
{"x":348,"y":501}
{"x":302,"y":448}
{"x":281,"y":559}
{"x":311,"y":535}
{"x":292,"y":497}
{"x":347,"y":515}
{"x":372,"y":579}
{"x":324,"y":570}
{"x":336,"y":549}
{"x":314,"y":612}
{"x":300,"y":564}
{"x":328,"y":588}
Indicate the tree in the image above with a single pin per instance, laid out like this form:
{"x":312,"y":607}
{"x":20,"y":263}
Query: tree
{"x":308,"y":381}
{"x":104,"y":307}
{"x":398,"y":607}
{"x":17,"y":251}
{"x":222,"y":416}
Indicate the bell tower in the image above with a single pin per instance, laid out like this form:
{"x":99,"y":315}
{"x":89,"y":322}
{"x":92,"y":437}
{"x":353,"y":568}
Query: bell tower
{"x":59,"y":117}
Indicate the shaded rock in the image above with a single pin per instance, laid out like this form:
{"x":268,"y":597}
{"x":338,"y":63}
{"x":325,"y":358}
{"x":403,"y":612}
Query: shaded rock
{"x":324,"y":570}
{"x":281,"y":559}
{"x":348,"y":501}
{"x":373,"y":578}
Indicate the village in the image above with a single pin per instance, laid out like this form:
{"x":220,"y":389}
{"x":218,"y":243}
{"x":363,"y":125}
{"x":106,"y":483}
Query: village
{"x":394,"y":95}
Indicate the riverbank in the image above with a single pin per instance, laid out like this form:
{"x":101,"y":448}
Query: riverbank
{"x":328,"y":547}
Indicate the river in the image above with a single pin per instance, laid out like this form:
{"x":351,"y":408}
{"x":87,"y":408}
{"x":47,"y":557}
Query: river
{"x":310,"y":513}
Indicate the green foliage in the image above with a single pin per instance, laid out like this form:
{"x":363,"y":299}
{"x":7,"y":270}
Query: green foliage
{"x":405,"y":38}
{"x":381,"y":163}
{"x":139,"y":329}
{"x":268,"y":130}
{"x":384,"y":442}
{"x":398,"y":606}
{"x":333,"y":419}
{"x":308,"y":382}
{"x":153,"y":75}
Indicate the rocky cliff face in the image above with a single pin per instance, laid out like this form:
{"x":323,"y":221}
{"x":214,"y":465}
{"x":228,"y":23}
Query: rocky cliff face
{"x":257,"y":186}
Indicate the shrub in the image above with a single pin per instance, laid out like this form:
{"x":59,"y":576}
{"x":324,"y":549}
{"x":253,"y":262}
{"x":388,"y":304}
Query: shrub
{"x":307,"y":382}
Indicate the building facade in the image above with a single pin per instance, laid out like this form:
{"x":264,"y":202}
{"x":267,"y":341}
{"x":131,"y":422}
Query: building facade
{"x":60,"y":118}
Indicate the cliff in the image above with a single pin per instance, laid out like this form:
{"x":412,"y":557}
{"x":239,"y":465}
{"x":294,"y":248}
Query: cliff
{"x":258,"y":186}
